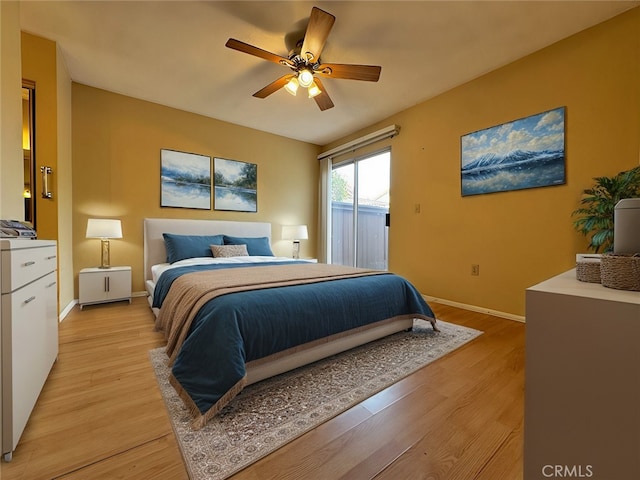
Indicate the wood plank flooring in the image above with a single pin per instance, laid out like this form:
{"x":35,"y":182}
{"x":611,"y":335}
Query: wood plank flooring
{"x":101,"y":416}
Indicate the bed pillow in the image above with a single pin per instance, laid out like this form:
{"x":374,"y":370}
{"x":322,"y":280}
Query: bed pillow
{"x":180,"y":247}
{"x":255,"y":245}
{"x":225,"y":251}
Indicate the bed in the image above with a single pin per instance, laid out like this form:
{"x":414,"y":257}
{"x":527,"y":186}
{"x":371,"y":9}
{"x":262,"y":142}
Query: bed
{"x":244,"y":314}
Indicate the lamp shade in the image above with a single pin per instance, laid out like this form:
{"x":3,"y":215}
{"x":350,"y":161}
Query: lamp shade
{"x":314,"y":90}
{"x":294,"y":232}
{"x":292,"y":86}
{"x":104,"y":228}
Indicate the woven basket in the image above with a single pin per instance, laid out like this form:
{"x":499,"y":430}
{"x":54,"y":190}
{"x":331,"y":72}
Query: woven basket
{"x":620,"y":271}
{"x":588,"y":271}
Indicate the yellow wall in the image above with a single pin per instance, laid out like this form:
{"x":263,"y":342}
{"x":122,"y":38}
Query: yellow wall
{"x":116,"y":172}
{"x":39,"y":65}
{"x":518,"y":238}
{"x":64,"y":186}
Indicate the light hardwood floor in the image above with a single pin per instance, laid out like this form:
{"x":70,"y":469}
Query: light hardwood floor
{"x":101,"y":416}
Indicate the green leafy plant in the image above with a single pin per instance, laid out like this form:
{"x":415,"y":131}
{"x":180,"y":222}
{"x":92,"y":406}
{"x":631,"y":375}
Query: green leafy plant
{"x":598,"y":204}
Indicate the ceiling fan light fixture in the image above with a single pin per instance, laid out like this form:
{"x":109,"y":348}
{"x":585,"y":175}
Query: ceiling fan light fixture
{"x":305,"y":78}
{"x":292,"y":86}
{"x":304,"y":62}
{"x":314,"y":90}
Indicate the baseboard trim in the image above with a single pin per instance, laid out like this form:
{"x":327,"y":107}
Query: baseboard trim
{"x":67,"y":309}
{"x":474,"y":308}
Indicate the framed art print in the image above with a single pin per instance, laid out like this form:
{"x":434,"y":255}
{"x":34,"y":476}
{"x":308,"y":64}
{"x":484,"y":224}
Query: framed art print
{"x":524,"y":153}
{"x":235,"y":185}
{"x":185,"y":180}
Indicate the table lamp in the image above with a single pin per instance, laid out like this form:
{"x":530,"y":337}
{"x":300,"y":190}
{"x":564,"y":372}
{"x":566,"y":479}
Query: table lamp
{"x":295,"y":233}
{"x":104,"y":229}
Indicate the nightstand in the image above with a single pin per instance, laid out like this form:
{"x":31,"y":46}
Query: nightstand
{"x":102,"y":285}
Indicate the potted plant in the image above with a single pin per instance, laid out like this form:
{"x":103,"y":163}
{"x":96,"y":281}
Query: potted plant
{"x":598,"y":204}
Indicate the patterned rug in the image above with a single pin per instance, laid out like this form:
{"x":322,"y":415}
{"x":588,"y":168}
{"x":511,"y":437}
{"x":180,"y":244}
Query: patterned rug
{"x":271,"y":413}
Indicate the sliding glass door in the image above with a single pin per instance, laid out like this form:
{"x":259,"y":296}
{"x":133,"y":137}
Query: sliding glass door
{"x":360,"y":211}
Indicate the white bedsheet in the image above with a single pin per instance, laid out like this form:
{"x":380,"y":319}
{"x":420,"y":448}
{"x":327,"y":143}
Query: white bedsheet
{"x":157,"y":270}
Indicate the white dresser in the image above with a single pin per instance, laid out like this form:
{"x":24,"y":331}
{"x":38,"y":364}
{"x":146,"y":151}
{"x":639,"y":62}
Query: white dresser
{"x":29,"y":330}
{"x":582,"y":393}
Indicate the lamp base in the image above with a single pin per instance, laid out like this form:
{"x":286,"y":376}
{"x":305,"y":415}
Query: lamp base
{"x":104,"y":258}
{"x":296,"y":249}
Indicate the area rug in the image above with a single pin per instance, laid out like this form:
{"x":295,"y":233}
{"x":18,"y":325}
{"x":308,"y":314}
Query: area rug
{"x":271,"y":413}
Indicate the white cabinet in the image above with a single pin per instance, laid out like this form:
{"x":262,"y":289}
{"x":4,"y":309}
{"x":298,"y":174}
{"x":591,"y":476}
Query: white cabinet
{"x":582,"y":390}
{"x":101,"y":285}
{"x":29,"y":330}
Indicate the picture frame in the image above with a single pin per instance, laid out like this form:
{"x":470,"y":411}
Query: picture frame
{"x":185,"y":180}
{"x":521,"y":154}
{"x":235,"y":185}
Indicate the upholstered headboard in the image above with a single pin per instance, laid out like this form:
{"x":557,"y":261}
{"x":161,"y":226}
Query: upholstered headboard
{"x":154,"y":249}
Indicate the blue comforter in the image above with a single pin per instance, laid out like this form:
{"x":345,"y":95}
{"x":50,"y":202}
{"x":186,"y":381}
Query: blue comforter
{"x":234,"y":329}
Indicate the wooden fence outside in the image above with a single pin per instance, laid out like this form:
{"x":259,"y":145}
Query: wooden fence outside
{"x":373,"y":238}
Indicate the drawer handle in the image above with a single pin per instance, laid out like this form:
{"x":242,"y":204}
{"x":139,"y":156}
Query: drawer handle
{"x":30,"y":299}
{"x":28,"y":264}
{"x":51,"y":257}
{"x":51,"y":285}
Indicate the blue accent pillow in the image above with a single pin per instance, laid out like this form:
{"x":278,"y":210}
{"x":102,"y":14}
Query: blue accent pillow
{"x":181,"y":247}
{"x":255,"y":245}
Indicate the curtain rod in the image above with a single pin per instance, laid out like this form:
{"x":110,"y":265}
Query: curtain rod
{"x":387,"y":132}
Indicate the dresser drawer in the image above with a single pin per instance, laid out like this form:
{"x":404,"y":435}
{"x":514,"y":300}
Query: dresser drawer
{"x":24,"y":265}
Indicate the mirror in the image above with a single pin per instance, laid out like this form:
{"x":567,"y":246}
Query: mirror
{"x":28,"y":149}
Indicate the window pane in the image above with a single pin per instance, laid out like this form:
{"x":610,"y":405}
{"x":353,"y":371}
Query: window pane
{"x":373,"y":207}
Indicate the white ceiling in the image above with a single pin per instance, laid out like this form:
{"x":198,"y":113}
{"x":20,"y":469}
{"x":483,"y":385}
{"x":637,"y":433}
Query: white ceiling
{"x":173,"y":53}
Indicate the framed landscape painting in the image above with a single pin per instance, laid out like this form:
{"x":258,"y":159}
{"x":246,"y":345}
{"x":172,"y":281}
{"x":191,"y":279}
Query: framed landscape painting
{"x":235,"y":185}
{"x":524,"y":153}
{"x":185,"y":180}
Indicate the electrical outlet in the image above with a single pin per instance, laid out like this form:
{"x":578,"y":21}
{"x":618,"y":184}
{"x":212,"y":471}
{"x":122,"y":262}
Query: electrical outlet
{"x":475,"y":269}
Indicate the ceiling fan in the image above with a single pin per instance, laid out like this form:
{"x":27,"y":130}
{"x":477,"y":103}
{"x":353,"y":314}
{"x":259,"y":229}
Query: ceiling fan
{"x":304,"y":61}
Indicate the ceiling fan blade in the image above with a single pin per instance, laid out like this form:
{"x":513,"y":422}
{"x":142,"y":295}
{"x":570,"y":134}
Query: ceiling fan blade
{"x":255,"y":51}
{"x":368,"y":73}
{"x":320,"y":24}
{"x":322,"y":99}
{"x":273,"y":87}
